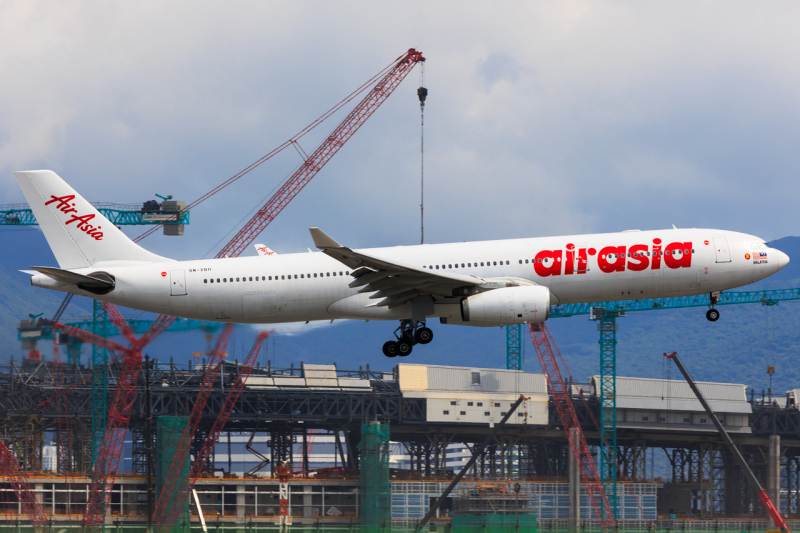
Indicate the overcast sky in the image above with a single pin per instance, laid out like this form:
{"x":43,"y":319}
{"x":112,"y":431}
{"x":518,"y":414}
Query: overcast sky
{"x":542,"y":118}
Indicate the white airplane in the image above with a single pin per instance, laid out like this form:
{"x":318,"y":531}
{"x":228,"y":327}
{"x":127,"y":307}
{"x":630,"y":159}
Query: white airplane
{"x":490,"y":283}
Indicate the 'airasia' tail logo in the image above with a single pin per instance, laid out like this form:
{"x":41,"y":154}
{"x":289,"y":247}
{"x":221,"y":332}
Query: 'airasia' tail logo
{"x":66,"y":207}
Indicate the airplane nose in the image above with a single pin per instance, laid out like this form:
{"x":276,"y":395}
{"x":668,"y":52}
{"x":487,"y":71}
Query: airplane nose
{"x":783,"y":259}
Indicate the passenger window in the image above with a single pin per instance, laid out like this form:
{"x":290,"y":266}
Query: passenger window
{"x":270,"y":278}
{"x":449,"y":266}
{"x":315,"y":274}
{"x":328,"y":274}
{"x":212,"y":280}
{"x":437,"y":267}
{"x":264,"y":278}
{"x":301,"y":275}
{"x":692,"y":250}
{"x":205,"y":281}
{"x":308,"y":275}
{"x":526,"y":261}
{"x":346,"y":272}
{"x":462,"y":265}
{"x":295,"y":276}
{"x":469,"y":265}
{"x":224,"y":280}
{"x":282,"y":277}
{"x":341,"y":274}
{"x":334,"y":273}
{"x":251,"y":279}
{"x":217,"y":280}
{"x":481,"y":263}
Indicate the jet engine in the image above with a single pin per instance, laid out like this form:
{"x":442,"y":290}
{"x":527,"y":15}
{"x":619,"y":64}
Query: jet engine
{"x":504,"y":307}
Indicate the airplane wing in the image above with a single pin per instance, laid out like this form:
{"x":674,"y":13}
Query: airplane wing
{"x":392,"y":282}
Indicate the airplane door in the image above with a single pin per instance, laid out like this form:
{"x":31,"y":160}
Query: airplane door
{"x":177,"y":280}
{"x":721,"y":249}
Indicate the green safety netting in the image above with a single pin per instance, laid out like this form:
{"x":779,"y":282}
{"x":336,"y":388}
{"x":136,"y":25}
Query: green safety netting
{"x":168,"y":435}
{"x":375,"y":485}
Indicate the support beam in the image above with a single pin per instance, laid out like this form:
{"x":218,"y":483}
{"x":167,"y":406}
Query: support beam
{"x":574,"y":476}
{"x":774,"y":473}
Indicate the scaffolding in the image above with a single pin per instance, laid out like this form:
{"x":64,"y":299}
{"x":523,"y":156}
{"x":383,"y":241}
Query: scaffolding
{"x":375,"y":484}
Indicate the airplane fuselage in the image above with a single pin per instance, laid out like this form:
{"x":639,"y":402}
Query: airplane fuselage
{"x":314,"y":286}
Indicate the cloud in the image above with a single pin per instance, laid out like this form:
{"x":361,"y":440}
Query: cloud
{"x":542,"y":118}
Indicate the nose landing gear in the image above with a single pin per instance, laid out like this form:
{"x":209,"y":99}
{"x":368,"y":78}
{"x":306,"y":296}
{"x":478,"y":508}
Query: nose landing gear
{"x":407,"y":334}
{"x":712,"y":314}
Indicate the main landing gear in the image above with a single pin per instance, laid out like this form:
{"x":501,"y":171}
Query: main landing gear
{"x":407,"y":334}
{"x":712,"y":314}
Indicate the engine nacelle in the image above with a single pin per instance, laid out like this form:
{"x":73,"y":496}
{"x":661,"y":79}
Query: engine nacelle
{"x":504,"y":307}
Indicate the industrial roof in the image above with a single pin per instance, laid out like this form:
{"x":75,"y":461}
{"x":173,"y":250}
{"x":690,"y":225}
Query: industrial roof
{"x":675,"y":395}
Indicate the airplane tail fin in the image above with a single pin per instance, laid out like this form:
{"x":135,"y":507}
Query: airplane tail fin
{"x":79,"y":236}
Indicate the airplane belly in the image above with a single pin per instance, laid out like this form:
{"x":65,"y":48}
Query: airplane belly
{"x":359,"y":306}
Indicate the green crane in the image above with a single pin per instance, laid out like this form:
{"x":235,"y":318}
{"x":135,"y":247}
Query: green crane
{"x":146,"y":214}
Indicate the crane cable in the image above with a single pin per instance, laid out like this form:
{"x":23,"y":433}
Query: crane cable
{"x":422,"y":93}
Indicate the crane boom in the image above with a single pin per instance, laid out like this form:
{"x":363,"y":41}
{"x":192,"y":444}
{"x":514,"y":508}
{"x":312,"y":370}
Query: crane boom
{"x":767,"y":297}
{"x":329,"y":147}
{"x":19,"y":483}
{"x":751,"y":478}
{"x":107,"y":463}
{"x":562,"y":400}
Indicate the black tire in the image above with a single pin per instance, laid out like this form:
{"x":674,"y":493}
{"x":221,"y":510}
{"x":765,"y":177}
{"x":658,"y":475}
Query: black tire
{"x":403,"y":348}
{"x":390,"y":349}
{"x":424,"y":335}
{"x":712,"y":315}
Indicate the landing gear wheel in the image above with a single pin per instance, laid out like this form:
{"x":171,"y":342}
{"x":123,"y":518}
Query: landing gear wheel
{"x":390,"y":349}
{"x":403,"y":348}
{"x":712,"y":315}
{"x":424,"y":335}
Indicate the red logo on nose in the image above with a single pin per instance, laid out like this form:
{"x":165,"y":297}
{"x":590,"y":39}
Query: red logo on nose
{"x":163,"y":274}
{"x":705,"y":242}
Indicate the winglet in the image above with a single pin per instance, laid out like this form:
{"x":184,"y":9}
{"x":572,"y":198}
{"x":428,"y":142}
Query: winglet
{"x":322,"y":240}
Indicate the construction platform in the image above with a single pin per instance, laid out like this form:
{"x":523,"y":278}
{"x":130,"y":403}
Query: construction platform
{"x":672,"y":462}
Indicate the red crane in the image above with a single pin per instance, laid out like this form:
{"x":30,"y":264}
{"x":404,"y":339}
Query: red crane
{"x":19,"y":482}
{"x":176,"y":490}
{"x":324,"y":152}
{"x":546,"y":350}
{"x":119,"y":413}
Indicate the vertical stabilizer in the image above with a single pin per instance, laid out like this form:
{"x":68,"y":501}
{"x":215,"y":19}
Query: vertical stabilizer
{"x":78,"y":234}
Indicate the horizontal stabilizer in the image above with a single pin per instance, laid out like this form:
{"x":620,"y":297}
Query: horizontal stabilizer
{"x":89,"y":283}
